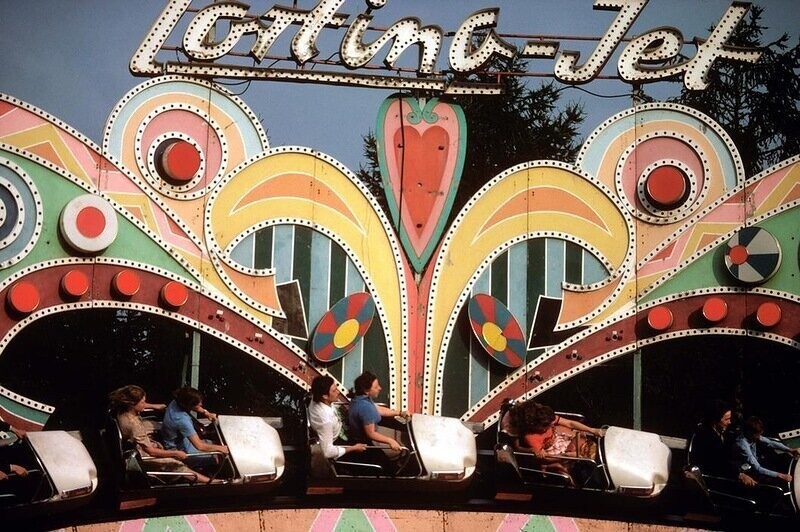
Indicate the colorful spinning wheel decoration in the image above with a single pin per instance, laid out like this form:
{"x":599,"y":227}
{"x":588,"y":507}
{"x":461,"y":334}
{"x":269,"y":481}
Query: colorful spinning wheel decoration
{"x":497,"y":330}
{"x":341,"y":328}
{"x":753,"y":255}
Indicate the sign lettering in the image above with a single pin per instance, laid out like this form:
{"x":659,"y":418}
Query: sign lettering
{"x":652,"y":56}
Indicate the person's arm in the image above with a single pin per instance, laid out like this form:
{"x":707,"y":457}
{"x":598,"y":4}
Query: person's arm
{"x":778,"y":445}
{"x":200,"y":445}
{"x":155,"y":406}
{"x":577,"y":425}
{"x":388,"y":412}
{"x":746,"y":450}
{"x":374,"y":435}
{"x":325,"y":433}
{"x":207,"y":413}
{"x":158,"y":452}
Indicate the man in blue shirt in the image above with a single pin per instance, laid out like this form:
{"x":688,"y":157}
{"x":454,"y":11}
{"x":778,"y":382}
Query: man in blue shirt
{"x":747,"y":451}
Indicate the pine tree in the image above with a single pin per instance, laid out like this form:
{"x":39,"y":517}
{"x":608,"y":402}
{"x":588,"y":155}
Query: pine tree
{"x":522,"y":124}
{"x":757,"y":104}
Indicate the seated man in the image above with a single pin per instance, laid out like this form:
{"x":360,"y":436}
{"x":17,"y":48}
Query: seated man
{"x":747,"y":452}
{"x":325,"y":422}
{"x":365,"y":415}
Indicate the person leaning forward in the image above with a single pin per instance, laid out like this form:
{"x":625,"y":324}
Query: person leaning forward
{"x":364,"y":416}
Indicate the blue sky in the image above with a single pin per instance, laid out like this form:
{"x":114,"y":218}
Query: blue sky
{"x":71,"y":59}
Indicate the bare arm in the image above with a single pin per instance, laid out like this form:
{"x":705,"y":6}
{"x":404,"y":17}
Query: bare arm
{"x":374,"y":435}
{"x":200,"y":445}
{"x":388,"y":412}
{"x":158,"y":452}
{"x":577,"y":425}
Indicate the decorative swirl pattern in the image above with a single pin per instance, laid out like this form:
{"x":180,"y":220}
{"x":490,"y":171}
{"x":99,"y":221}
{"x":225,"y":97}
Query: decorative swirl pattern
{"x":20,"y":214}
{"x":215,"y":130}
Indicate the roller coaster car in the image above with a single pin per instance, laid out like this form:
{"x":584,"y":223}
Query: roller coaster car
{"x":61,"y":474}
{"x":628,"y":462}
{"x":729,"y":494}
{"x":255,"y":462}
{"x":439,"y":455}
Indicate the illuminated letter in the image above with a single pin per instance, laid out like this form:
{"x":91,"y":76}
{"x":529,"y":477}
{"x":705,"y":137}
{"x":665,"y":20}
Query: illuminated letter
{"x":461,"y":59}
{"x":654,"y":47}
{"x":404,"y":33}
{"x":196,"y":42}
{"x":696,"y":77}
{"x":144,"y":59}
{"x":566,"y":65}
{"x":304,"y":44}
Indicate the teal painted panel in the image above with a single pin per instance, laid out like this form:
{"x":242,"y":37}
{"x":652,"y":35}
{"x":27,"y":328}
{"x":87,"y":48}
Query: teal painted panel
{"x":283,"y":254}
{"x":319,"y":277}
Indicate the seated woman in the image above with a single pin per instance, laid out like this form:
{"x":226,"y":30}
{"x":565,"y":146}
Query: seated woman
{"x":548,"y":436}
{"x":325,"y":422}
{"x":127,"y":404}
{"x":364,"y":418}
{"x":178,"y":430}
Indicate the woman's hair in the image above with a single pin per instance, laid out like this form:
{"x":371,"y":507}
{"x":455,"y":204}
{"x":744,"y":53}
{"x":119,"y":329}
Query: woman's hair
{"x":187,"y":397}
{"x":320,"y":386}
{"x":752,"y":426}
{"x":534,"y":417}
{"x":364,"y":382}
{"x":125,"y":398}
{"x":714,"y":411}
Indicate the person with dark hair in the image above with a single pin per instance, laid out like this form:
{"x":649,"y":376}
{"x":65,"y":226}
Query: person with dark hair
{"x":178,"y":428}
{"x":747,"y":451}
{"x":712,"y":442}
{"x":364,"y":415}
{"x":547,"y":434}
{"x":325,"y":422}
{"x":127,"y":404}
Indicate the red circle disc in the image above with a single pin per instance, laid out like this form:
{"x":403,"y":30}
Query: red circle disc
{"x":715,"y":309}
{"x":23,"y":297}
{"x":181,"y":161}
{"x":738,"y":254}
{"x":666,"y":185}
{"x":127,"y":283}
{"x":90,"y":222}
{"x":174,"y":294}
{"x":659,"y":318}
{"x":75,"y":283}
{"x":768,"y":314}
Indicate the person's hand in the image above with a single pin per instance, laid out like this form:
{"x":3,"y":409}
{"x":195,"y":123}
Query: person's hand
{"x":179,"y":455}
{"x":3,"y":476}
{"x":747,"y":480}
{"x":209,"y":415}
{"x":599,"y":432}
{"x":224,"y":449}
{"x":19,"y":470}
{"x":394,"y":445}
{"x":359,"y":447}
{"x":540,"y":453}
{"x":785,"y":476}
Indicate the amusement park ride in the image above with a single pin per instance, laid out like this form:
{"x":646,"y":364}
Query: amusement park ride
{"x":552,"y":269}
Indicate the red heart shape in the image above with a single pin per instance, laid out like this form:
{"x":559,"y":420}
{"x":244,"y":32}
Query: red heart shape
{"x":423,"y":159}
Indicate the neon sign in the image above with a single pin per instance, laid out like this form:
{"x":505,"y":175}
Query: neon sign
{"x":652,"y":56}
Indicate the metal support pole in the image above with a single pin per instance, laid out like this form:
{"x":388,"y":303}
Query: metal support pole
{"x":637,"y":390}
{"x":194,"y":378}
